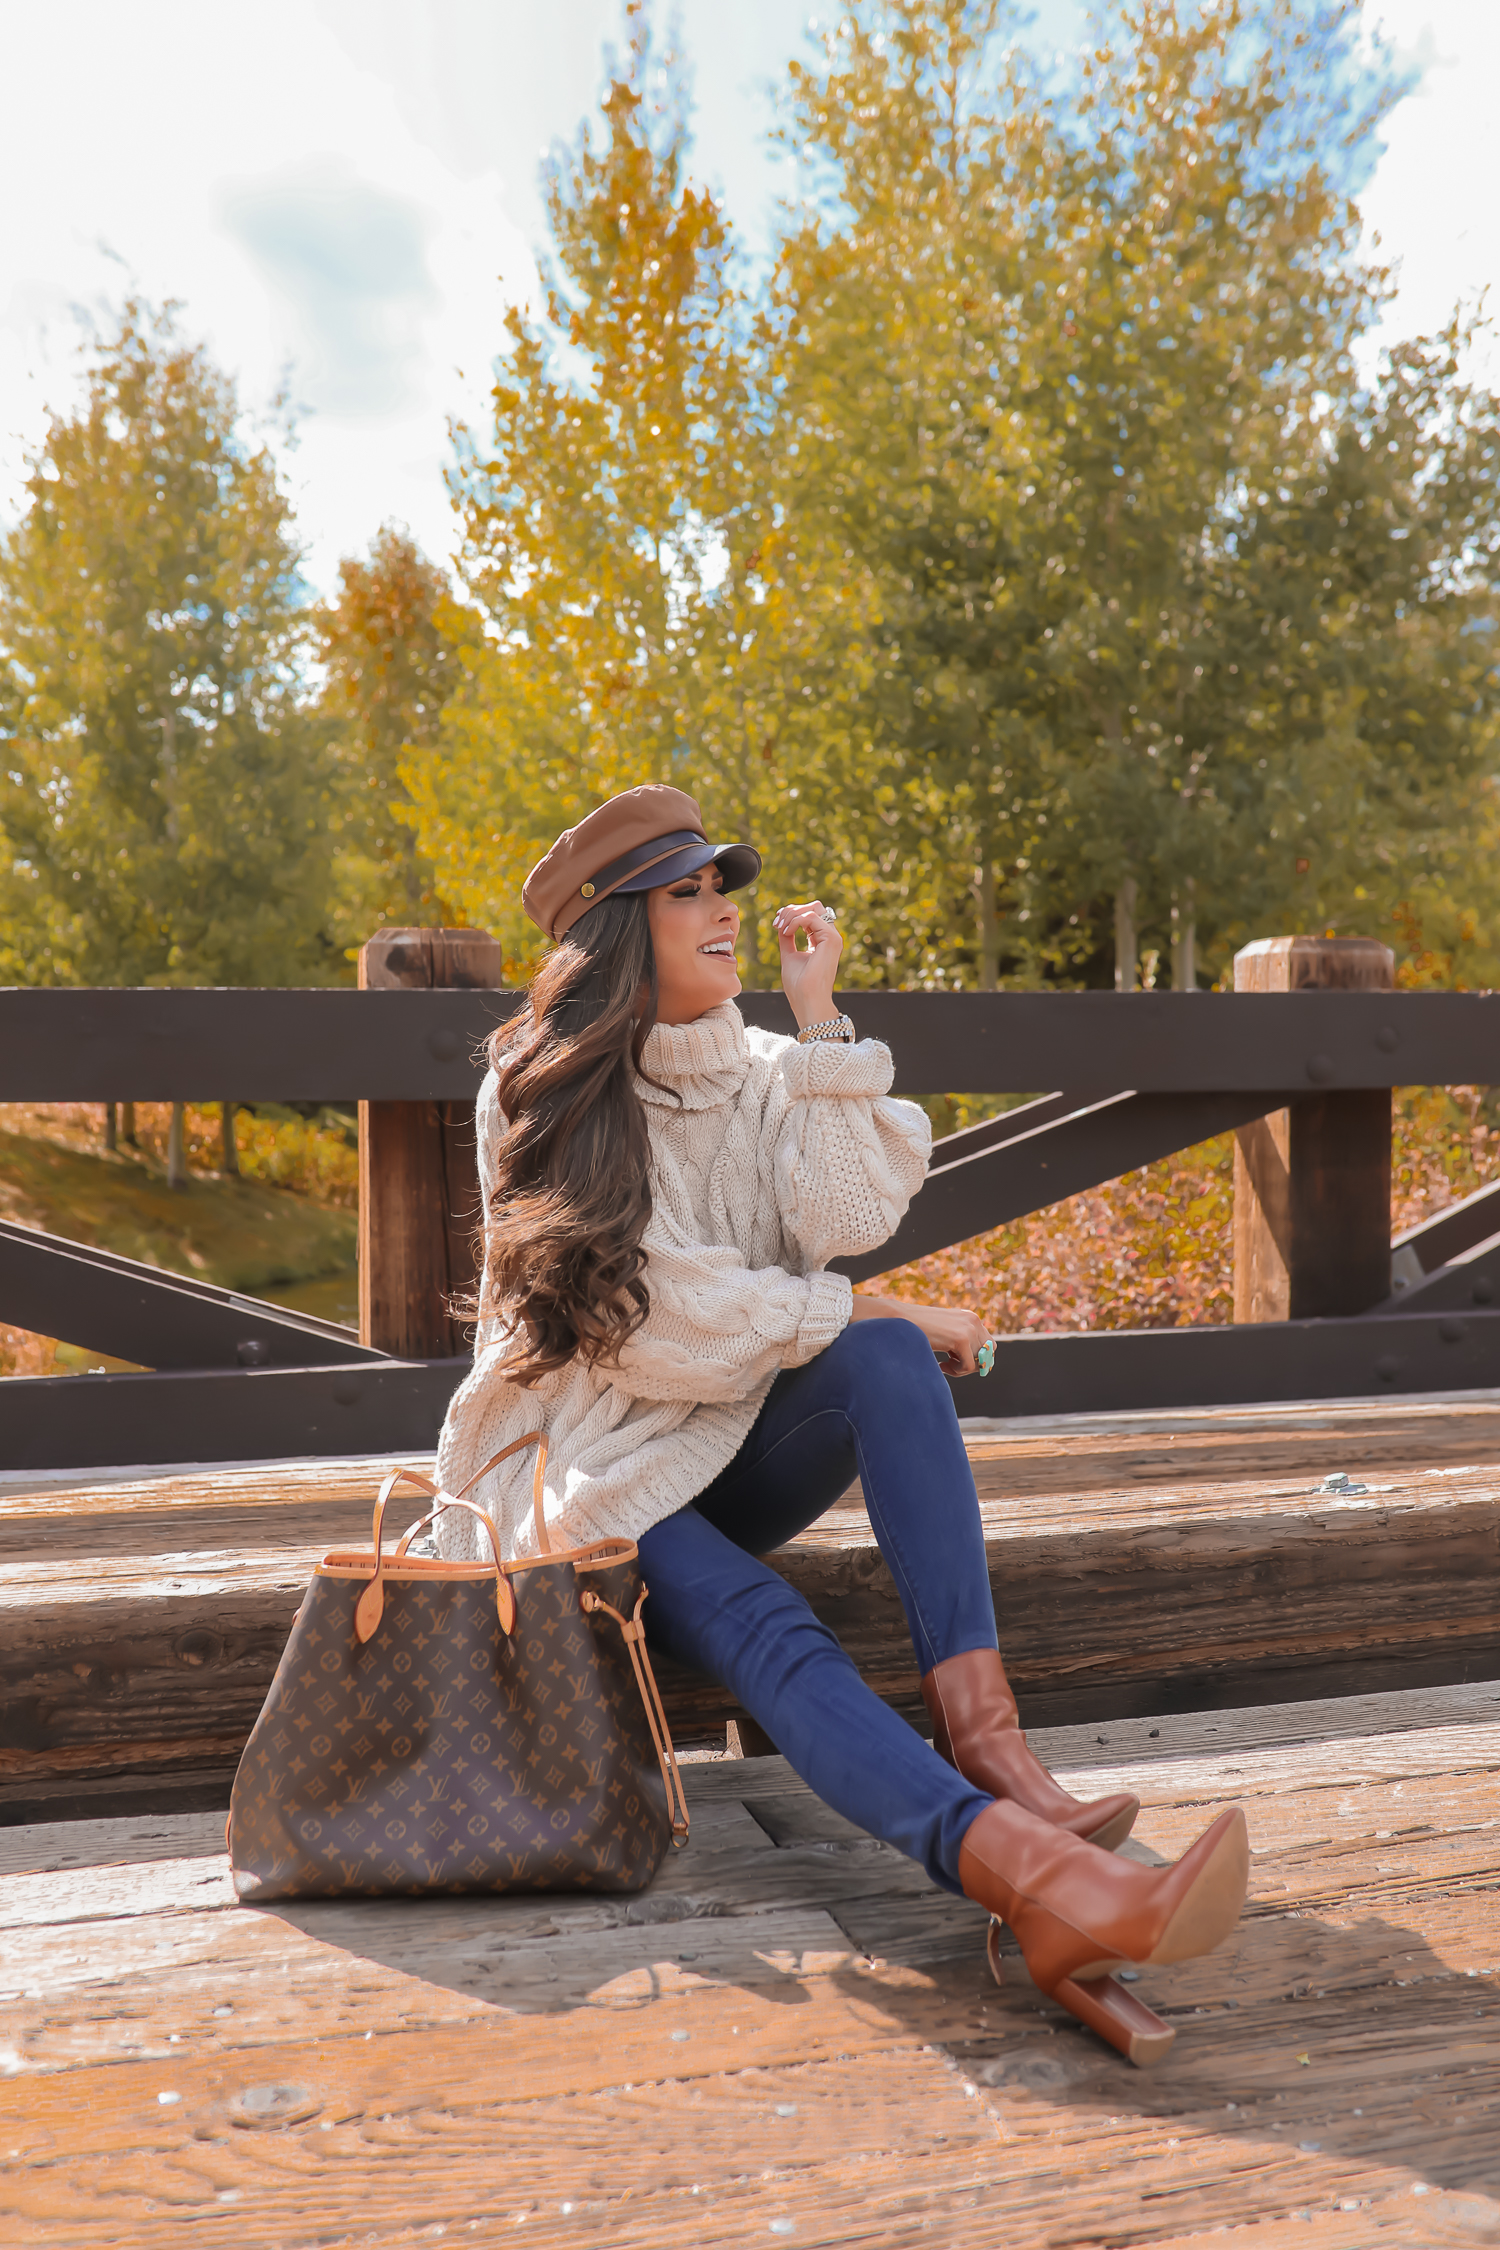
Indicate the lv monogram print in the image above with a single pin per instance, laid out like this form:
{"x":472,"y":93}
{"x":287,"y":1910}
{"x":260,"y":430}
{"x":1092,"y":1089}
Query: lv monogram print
{"x":445,"y":1755}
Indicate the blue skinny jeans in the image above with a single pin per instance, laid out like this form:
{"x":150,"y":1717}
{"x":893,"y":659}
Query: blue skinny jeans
{"x":874,"y":1405}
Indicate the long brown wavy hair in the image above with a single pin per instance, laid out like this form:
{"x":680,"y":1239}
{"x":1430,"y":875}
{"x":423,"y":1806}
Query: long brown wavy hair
{"x":573,"y":1192}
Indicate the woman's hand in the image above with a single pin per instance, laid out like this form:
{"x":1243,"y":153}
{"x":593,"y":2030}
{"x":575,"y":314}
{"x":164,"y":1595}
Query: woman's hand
{"x":954,"y":1334}
{"x":807,"y":979}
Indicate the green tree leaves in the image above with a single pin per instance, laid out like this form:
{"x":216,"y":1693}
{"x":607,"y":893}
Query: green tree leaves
{"x":1024,"y":562}
{"x":606,"y":517}
{"x":164,"y":811}
{"x":390,"y":644}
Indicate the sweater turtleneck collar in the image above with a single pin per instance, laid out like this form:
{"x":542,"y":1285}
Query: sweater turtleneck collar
{"x":703,"y":1062}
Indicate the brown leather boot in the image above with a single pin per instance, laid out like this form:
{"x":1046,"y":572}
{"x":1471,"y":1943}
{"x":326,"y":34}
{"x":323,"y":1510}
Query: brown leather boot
{"x":976,"y":1727}
{"x":1079,"y":1913}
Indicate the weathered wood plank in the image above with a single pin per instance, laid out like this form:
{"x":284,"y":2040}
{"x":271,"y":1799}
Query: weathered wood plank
{"x":282,"y":2006}
{"x":698,"y":2161}
{"x":1023,"y":1457}
{"x":137,"y":1637}
{"x":1019,"y":1460}
{"x":1316,"y":1851}
{"x":136,"y":1515}
{"x":1334,"y":2058}
{"x":1084,"y":1452}
{"x":1221,"y":1610}
{"x":1048,"y":2096}
{"x":931,"y":2166}
{"x":1100,"y":1754}
{"x":1180,"y":1734}
{"x":52,"y":1847}
{"x":1092,"y":1759}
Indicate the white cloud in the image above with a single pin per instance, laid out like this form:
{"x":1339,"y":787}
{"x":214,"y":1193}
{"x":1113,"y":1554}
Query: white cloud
{"x":243,"y":162}
{"x":347,"y":263}
{"x":486,"y":85}
{"x":1431,"y":210}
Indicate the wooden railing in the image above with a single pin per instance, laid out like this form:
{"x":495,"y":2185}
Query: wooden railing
{"x":1145,"y":1074}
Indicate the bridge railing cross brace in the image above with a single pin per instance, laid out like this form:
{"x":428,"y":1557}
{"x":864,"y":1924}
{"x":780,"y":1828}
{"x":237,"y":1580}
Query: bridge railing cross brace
{"x":1299,"y":1062}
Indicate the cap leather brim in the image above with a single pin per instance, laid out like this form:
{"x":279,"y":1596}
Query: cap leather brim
{"x":739,"y":864}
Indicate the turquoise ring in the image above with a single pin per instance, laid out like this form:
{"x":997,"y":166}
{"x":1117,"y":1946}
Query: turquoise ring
{"x":984,"y":1358}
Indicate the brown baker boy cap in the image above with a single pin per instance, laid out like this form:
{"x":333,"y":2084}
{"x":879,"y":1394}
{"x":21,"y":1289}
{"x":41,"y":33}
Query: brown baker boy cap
{"x":638,"y":840}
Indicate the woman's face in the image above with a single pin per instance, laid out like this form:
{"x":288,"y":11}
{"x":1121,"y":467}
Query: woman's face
{"x":693,"y":930}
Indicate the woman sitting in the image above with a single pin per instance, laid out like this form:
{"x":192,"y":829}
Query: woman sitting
{"x":664,"y":1190}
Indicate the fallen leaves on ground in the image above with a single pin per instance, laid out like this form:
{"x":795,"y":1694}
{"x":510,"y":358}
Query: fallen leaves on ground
{"x":1155,"y":1249}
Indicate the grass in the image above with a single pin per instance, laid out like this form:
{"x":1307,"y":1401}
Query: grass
{"x":243,"y":1233}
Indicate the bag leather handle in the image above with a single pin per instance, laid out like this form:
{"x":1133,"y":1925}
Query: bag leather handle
{"x":370,"y":1607}
{"x":505,"y":1598}
{"x":538,"y":1438}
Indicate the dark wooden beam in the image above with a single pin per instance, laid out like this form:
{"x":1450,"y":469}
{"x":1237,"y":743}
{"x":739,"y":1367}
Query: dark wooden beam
{"x":410,"y":1046}
{"x":243,"y":1414}
{"x":1116,"y":1370}
{"x":135,"y":1312}
{"x":992,"y":1132}
{"x":93,"y":1421}
{"x":1443,"y":1237}
{"x":1032,"y":1166}
{"x":1469,"y":1282}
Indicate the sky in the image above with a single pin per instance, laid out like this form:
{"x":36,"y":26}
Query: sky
{"x":343,"y":197}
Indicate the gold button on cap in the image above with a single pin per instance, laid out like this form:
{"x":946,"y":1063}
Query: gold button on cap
{"x":586,"y":890}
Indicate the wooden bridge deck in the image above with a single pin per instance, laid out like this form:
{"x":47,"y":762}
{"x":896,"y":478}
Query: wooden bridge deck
{"x":1141,"y":1563}
{"x":791,"y":2037}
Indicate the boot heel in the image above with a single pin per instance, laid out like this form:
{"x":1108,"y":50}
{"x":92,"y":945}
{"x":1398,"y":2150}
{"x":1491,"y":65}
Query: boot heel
{"x":1126,"y":2023}
{"x":1117,"y":2016}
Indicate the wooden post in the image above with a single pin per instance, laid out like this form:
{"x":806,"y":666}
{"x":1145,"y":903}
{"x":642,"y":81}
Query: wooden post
{"x":747,"y":1738}
{"x":419,"y":1204}
{"x":1126,"y":966}
{"x":177,"y":1173}
{"x":1312,"y":1184}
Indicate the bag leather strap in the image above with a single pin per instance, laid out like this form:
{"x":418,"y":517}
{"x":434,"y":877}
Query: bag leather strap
{"x":656,"y":1718}
{"x":505,"y":1598}
{"x":370,"y":1607}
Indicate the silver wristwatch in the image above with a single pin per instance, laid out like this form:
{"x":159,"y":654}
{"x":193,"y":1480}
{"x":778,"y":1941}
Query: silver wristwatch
{"x":837,"y":1027}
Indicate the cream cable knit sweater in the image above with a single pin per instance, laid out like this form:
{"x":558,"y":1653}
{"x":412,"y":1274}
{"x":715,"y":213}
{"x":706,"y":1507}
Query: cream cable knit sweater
{"x":778,"y":1158}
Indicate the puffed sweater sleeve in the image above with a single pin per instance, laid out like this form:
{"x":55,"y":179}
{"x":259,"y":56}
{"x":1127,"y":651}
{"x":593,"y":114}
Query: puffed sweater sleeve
{"x":719,"y":1328}
{"x":848,"y":1157}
